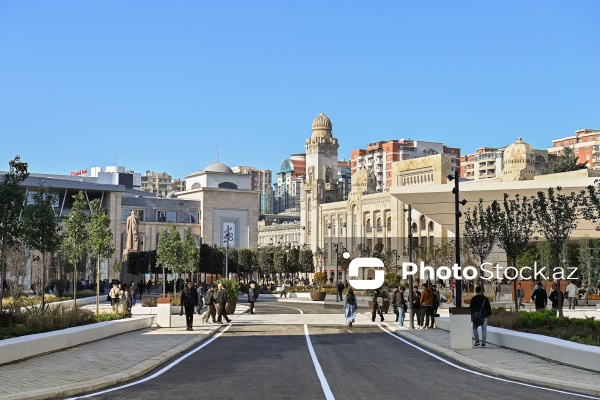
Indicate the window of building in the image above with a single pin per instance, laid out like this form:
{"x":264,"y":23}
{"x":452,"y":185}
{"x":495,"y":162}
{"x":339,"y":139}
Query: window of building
{"x":227,"y":185}
{"x":422,"y":222}
{"x":161,"y":216}
{"x":194,"y":217}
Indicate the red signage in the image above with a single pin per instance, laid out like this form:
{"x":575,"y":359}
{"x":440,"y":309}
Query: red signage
{"x":79,"y":173}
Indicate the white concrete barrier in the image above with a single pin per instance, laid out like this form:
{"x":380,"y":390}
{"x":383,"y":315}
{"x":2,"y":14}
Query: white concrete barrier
{"x":18,"y":348}
{"x":563,"y":351}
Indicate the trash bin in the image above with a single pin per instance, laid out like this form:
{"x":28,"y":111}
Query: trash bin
{"x":461,"y":332}
{"x":163,"y":313}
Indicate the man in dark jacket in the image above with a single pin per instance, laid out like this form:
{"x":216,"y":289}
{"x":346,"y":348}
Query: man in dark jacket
{"x":396,"y":299}
{"x":416,"y":307}
{"x":189,"y":301}
{"x":555,"y":295}
{"x":480,"y":304}
{"x":252,"y":296}
{"x":221,"y":301}
{"x":540,"y":297}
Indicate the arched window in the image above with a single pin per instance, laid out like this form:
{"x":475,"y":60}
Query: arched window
{"x":389,"y":224}
{"x":431,"y":226}
{"x":227,"y":185}
{"x":196,"y":186}
{"x":422,"y":222}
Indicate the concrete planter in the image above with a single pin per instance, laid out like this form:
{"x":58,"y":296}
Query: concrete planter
{"x":563,"y":351}
{"x":18,"y":348}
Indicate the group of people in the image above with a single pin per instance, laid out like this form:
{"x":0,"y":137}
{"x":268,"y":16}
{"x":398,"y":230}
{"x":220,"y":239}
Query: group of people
{"x":120,"y":297}
{"x":193,"y":299}
{"x":425,"y":305}
{"x":556,"y":297}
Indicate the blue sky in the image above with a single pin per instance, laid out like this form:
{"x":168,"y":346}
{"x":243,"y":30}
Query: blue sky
{"x":153,"y":85}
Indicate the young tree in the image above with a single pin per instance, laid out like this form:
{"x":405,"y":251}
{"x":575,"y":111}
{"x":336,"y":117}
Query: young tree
{"x":556,"y":217}
{"x":190,"y":253}
{"x":568,"y":161}
{"x":76,"y":237}
{"x":169,"y":252}
{"x":307,"y":261}
{"x":293,"y":260}
{"x":16,"y":267}
{"x":217,"y":260}
{"x":279,"y":260}
{"x":245,"y":260}
{"x":515,"y":227}
{"x":41,"y":229}
{"x":481,"y":230}
{"x":265,"y":261}
{"x":205,"y":255}
{"x":100,"y":239}
{"x":12,"y":199}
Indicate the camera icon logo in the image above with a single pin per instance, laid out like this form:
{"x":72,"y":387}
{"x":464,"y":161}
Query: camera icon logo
{"x":366,"y":262}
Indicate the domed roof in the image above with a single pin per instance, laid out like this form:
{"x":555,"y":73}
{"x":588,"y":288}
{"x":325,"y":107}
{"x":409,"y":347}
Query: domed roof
{"x":364,"y":181}
{"x":322,"y":122}
{"x":519,"y":151}
{"x":218,"y":167}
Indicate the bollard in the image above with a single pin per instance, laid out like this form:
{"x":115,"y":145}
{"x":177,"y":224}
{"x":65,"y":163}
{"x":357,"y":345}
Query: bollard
{"x":163,"y":312}
{"x":461,"y":331}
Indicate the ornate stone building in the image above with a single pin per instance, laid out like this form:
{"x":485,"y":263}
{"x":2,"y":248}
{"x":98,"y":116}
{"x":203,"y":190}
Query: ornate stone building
{"x":321,"y":185}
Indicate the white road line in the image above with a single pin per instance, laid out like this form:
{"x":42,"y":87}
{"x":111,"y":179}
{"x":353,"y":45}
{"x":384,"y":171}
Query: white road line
{"x":293,"y":308}
{"x":157,"y":373}
{"x":320,"y":374}
{"x":480,"y":373}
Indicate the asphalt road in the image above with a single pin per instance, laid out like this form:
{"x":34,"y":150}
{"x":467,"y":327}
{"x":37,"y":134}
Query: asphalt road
{"x":274,"y":362}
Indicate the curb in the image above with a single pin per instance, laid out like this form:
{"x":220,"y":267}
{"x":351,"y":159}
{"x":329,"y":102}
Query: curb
{"x":498,"y":372}
{"x":130,"y":374}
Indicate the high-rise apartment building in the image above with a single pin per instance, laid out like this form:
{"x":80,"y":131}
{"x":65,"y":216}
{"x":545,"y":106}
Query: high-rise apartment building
{"x":289,"y":182}
{"x":585,"y":142}
{"x":161,"y":183}
{"x":260,"y":181}
{"x":489,"y":162}
{"x":379,"y":156}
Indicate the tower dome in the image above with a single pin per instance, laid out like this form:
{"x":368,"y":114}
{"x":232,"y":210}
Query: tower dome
{"x":364,"y":181}
{"x":218,"y":167}
{"x":321,"y":126}
{"x":519,"y":162}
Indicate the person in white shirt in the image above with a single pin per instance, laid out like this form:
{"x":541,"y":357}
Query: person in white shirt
{"x":571,"y":291}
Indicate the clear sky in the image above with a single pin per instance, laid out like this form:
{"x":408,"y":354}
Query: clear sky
{"x":152,"y":85}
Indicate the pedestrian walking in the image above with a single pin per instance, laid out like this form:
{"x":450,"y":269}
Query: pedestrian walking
{"x":556,"y":297}
{"x":520,"y":295}
{"x":126,"y":302}
{"x":148,"y":286}
{"x":221,"y":301}
{"x":540,"y":297}
{"x":416,"y":307}
{"x":402,"y":308}
{"x":209,"y":301}
{"x":283,"y":290}
{"x":252,"y":296}
{"x":340,"y":291}
{"x":396,"y":302}
{"x":481,"y":309}
{"x":114,"y":296}
{"x":436,"y":305}
{"x":427,"y":305}
{"x":377,"y":305}
{"x":350,"y":307}
{"x":571,"y":293}
{"x":189,"y":300}
{"x":133,"y":290}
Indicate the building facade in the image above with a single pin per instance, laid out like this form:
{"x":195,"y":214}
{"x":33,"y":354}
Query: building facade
{"x":379,"y":156}
{"x":161,"y":183}
{"x":260,"y":181}
{"x":585,"y":143}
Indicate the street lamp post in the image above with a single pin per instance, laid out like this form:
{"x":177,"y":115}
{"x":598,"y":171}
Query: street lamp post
{"x":410,"y":278}
{"x":457,"y":215}
{"x":337,"y":261}
{"x":397,"y":256}
{"x":228,"y":236}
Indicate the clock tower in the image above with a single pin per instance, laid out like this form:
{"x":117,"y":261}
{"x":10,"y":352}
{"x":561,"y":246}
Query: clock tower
{"x":321,"y":184}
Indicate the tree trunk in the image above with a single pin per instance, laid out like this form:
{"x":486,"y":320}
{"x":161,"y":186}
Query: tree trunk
{"x":43,"y":279}
{"x":98,"y":286}
{"x":3,"y":278}
{"x":560,"y":297}
{"x":74,"y":288}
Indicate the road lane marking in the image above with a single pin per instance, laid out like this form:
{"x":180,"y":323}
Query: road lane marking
{"x":157,"y":373}
{"x":320,"y":374}
{"x":480,"y":373}
{"x":293,"y":308}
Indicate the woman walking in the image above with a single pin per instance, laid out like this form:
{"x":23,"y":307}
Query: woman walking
{"x":350,"y":307}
